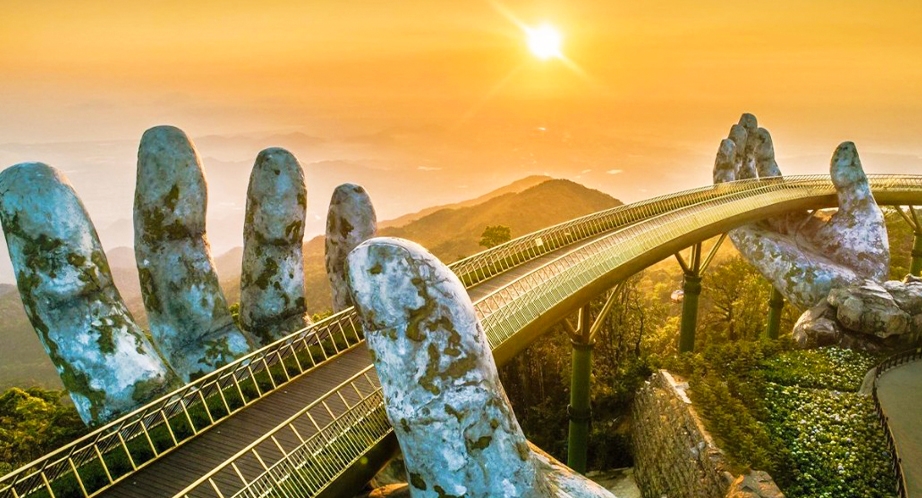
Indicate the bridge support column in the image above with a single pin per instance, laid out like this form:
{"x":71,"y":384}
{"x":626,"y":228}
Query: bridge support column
{"x":691,"y":289}
{"x":775,"y":306}
{"x":579,"y":411}
{"x":582,"y":337}
{"x":915,"y":266}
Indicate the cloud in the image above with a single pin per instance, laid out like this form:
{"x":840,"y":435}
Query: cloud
{"x":429,"y":168}
{"x":583,"y":172}
{"x":614,"y":171}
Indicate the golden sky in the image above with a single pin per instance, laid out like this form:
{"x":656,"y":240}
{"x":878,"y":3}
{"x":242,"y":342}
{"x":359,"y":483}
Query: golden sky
{"x":450,"y":87}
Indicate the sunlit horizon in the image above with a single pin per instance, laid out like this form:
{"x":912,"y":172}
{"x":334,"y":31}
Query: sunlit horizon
{"x":436,"y":101}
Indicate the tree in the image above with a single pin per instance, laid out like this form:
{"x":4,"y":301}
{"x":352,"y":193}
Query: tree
{"x":33,"y":422}
{"x":495,"y":235}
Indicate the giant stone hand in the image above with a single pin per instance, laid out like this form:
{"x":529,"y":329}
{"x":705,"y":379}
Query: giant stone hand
{"x":104,"y":358}
{"x":805,"y":255}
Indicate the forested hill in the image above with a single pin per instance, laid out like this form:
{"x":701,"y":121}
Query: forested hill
{"x":450,"y":232}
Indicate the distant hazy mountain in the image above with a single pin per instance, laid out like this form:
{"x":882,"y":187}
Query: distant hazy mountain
{"x":449,"y":232}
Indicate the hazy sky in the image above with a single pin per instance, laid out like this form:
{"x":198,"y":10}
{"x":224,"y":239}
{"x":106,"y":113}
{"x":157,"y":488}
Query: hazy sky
{"x":430,"y":101}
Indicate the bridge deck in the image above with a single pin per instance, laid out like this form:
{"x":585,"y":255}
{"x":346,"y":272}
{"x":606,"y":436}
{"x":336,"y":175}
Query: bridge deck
{"x":174,"y":471}
{"x":211,"y":448}
{"x":900,"y":392}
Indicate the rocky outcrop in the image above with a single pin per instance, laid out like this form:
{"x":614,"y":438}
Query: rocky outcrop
{"x":351,"y":220}
{"x":755,"y":484}
{"x":188,"y":314}
{"x":456,"y":429}
{"x":272,"y":281}
{"x":868,"y":308}
{"x":104,"y":359}
{"x":818,"y":327}
{"x":867,"y":316}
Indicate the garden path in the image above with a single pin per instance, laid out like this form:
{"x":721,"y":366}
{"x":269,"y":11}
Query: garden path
{"x":900,"y":392}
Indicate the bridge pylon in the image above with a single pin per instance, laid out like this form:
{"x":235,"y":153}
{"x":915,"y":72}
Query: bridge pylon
{"x":582,"y":338}
{"x":775,"y":307}
{"x":693,"y":268}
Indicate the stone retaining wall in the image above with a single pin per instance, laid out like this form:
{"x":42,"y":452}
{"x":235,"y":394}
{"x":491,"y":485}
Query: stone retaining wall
{"x":675,"y":457}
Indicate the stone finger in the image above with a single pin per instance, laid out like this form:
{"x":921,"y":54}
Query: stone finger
{"x":856,"y":235}
{"x":186,"y":307}
{"x":351,"y":220}
{"x":764,"y":152}
{"x":738,"y":135}
{"x":272,"y":279}
{"x":747,"y":168}
{"x":724,"y":167}
{"x":104,"y":359}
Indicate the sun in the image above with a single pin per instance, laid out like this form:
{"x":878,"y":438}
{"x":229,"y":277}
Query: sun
{"x":544,"y":41}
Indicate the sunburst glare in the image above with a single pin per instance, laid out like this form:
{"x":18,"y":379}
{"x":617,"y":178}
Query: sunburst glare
{"x":544,"y":41}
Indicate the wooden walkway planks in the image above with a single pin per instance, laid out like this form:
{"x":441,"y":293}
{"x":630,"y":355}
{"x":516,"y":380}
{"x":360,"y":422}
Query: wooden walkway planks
{"x":181,"y":467}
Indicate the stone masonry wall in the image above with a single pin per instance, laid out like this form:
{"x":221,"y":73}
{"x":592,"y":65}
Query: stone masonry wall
{"x":674,"y":456}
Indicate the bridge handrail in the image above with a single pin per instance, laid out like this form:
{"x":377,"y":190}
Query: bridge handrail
{"x":199,"y":405}
{"x":896,"y":466}
{"x":486,"y":264}
{"x":475,"y":269}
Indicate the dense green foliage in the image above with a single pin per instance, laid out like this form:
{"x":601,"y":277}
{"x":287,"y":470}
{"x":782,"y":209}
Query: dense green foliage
{"x":639,"y":334}
{"x":494,"y":235}
{"x":900,"y":236}
{"x":793,"y":413}
{"x":34,"y":422}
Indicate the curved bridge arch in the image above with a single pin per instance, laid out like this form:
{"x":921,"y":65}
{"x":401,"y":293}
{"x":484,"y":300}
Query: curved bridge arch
{"x":512,"y":321}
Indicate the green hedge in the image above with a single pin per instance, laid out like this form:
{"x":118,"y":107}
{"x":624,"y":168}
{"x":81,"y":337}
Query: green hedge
{"x":795,"y":414}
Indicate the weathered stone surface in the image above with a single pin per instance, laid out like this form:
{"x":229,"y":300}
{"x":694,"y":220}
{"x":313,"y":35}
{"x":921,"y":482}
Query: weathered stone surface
{"x":817,"y":327}
{"x":674,"y":455}
{"x":805,"y":255}
{"x":755,"y":484}
{"x":456,"y":429}
{"x":868,"y":308}
{"x":104,"y":359}
{"x":746,"y":151}
{"x":272,"y":281}
{"x":906,"y":294}
{"x":186,"y":308}
{"x":351,"y":220}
